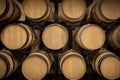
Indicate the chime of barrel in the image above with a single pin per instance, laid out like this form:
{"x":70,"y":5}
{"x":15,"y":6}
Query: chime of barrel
{"x":37,"y":10}
{"x":9,"y":10}
{"x":113,"y":37}
{"x":107,"y":65}
{"x":106,"y":11}
{"x":36,"y":65}
{"x":90,"y":37}
{"x":55,"y":36}
{"x":17,"y":36}
{"x":72,"y":10}
{"x":72,"y":65}
{"x":8,"y":64}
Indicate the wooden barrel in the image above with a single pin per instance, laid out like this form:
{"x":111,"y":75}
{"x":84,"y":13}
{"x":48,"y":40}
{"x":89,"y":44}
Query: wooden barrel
{"x":113,"y":37}
{"x":90,"y":37}
{"x":37,"y":10}
{"x":17,"y":36}
{"x":103,"y":11}
{"x":9,"y":11}
{"x":107,"y":64}
{"x":72,"y":10}
{"x":8,"y":64}
{"x":55,"y":36}
{"x":36,"y":65}
{"x":72,"y":65}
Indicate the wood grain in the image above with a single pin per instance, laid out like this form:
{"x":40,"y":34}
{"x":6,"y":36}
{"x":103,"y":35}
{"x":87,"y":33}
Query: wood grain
{"x":109,"y":66}
{"x":55,"y":36}
{"x":90,"y":37}
{"x":36,"y":66}
{"x":17,"y":36}
{"x":73,"y":66}
{"x":72,"y":10}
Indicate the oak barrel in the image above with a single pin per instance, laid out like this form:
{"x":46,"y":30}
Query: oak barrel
{"x":17,"y":36}
{"x":8,"y":64}
{"x":90,"y":37}
{"x":107,"y":64}
{"x":106,"y":11}
{"x":55,"y":36}
{"x":72,"y":65}
{"x":36,"y":65}
{"x":113,"y":37}
{"x":38,"y":10}
{"x":72,"y":10}
{"x":9,"y":10}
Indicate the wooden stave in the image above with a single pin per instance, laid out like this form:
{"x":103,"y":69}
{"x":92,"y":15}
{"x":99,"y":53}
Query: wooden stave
{"x":3,"y":62}
{"x":9,"y":10}
{"x":97,"y":60}
{"x":11,"y":62}
{"x":12,"y":12}
{"x":68,"y":54}
{"x":58,"y":25}
{"x":46,"y":16}
{"x":79,"y":33}
{"x":98,"y":16}
{"x":17,"y":13}
{"x":32,"y":33}
{"x":29,"y":34}
{"x":41,"y":54}
{"x":108,"y":17}
{"x":64,"y":17}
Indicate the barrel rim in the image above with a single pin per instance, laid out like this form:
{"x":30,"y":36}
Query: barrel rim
{"x":100,"y":61}
{"x":27,"y":27}
{"x":57,"y":25}
{"x":39,"y":16}
{"x":15,"y":24}
{"x":98,"y":16}
{"x":72,"y":19}
{"x":79,"y":33}
{"x":95,"y":58}
{"x":100,"y":8}
{"x":13,"y":4}
{"x":7,"y":65}
{"x":6,"y":9}
{"x":11,"y":58}
{"x":68,"y":54}
{"x":45,"y":56}
{"x":16,"y":8}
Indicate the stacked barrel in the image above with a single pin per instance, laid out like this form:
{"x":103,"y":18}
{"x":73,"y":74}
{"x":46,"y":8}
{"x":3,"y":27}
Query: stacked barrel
{"x":69,"y":30}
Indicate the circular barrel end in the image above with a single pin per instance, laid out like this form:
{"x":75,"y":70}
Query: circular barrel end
{"x":34,"y":68}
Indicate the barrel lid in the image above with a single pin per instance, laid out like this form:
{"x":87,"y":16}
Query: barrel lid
{"x":34,"y":68}
{"x":2,"y":6}
{"x":3,"y":68}
{"x":92,"y":37}
{"x":110,"y":67}
{"x":73,"y":9}
{"x":111,"y":9}
{"x":35,"y":9}
{"x":14,"y":36}
{"x":73,"y":67}
{"x":55,"y":36}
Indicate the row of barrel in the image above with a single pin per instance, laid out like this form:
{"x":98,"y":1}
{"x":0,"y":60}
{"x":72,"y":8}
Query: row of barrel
{"x":68,"y":10}
{"x":71,"y":63}
{"x":20,"y":36}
